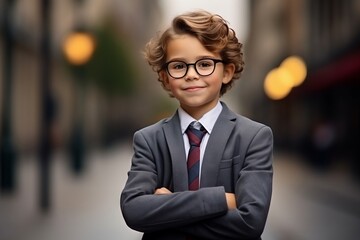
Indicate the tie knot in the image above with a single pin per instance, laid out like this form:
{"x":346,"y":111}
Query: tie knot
{"x":195,"y":135}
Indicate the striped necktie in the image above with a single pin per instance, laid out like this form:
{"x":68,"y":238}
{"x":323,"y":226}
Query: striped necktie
{"x":193,"y":163}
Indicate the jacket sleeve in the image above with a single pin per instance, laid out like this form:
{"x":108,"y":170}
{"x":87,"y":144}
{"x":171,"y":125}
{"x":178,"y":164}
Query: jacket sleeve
{"x":253,"y":194}
{"x":143,"y":211}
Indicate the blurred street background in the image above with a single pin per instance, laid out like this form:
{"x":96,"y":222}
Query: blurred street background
{"x":74,"y":87}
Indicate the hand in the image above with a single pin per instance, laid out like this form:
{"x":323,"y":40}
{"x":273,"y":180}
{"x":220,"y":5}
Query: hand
{"x":162,"y":190}
{"x":230,"y":200}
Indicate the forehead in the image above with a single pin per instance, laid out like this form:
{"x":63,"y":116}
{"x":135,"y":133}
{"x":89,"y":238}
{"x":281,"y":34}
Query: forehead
{"x":186,"y":47}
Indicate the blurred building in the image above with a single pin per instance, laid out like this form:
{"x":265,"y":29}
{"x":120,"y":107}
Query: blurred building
{"x":320,"y":118}
{"x":109,"y":110}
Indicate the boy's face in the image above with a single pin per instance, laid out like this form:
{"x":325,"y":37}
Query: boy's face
{"x":197,"y":94}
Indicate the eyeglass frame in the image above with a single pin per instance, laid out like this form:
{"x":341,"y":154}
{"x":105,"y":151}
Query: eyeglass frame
{"x":166,"y":65}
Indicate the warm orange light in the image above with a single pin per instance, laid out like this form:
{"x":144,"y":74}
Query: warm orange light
{"x":297,"y":68}
{"x":78,"y":48}
{"x":278,"y":83}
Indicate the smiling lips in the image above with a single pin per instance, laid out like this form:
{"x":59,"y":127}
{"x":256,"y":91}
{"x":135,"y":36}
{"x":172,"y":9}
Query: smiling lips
{"x":193,"y":88}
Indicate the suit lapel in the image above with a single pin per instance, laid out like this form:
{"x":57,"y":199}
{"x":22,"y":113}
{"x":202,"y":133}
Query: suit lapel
{"x":175,"y":143}
{"x":216,"y":146}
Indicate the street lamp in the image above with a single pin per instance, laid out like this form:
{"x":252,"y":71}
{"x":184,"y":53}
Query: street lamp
{"x":78,"y":48}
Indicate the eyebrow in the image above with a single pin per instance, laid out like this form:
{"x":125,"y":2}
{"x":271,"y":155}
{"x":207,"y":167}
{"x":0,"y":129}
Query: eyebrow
{"x":196,"y":59}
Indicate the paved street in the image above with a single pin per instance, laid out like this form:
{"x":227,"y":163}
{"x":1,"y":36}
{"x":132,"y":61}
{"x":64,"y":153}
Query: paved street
{"x":84,"y":207}
{"x":305,"y":205}
{"x":309,"y":205}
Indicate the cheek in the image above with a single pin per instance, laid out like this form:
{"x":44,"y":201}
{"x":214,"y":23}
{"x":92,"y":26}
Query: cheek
{"x":218,"y":79}
{"x":170,"y":85}
{"x":174,"y":86}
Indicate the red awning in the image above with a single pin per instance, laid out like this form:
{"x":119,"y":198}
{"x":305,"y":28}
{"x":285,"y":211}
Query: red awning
{"x":343,"y":70}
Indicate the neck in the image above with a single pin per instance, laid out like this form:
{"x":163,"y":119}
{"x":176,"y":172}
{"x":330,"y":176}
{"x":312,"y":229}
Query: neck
{"x":198,"y":112}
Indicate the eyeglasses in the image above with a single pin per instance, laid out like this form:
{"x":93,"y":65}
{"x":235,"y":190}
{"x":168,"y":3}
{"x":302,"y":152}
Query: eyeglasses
{"x":203,"y":67}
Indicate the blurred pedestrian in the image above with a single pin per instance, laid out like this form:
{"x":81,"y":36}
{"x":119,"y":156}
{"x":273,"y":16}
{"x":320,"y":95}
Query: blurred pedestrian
{"x":323,"y":144}
{"x":205,"y":172}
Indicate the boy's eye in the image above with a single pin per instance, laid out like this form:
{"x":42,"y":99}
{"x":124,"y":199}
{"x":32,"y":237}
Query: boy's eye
{"x":205,"y":63}
{"x":177,"y":65}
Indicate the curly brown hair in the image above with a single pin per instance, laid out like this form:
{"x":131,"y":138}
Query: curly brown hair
{"x":211,"y":30}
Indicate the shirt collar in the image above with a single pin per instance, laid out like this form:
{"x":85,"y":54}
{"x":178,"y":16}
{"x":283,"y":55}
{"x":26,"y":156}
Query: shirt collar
{"x":207,"y":120}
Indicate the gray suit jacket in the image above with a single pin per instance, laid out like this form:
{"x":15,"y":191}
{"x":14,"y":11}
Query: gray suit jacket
{"x":237,"y":159}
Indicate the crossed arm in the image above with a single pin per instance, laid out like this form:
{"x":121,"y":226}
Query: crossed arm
{"x":213,"y":213}
{"x":230,"y":197}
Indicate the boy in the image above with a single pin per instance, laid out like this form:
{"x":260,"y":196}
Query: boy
{"x":225,"y":192}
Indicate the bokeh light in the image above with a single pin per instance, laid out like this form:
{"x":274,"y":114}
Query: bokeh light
{"x":78,"y":47}
{"x":296,"y":66}
{"x":279,"y":82}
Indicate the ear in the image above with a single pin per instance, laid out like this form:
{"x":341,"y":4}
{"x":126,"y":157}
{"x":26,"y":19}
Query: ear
{"x":164,"y":79}
{"x":229,"y":70}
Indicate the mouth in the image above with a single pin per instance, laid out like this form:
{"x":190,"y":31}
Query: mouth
{"x":193,"y":88}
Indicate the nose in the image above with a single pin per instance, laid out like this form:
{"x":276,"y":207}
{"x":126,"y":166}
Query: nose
{"x":191,"y":73}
